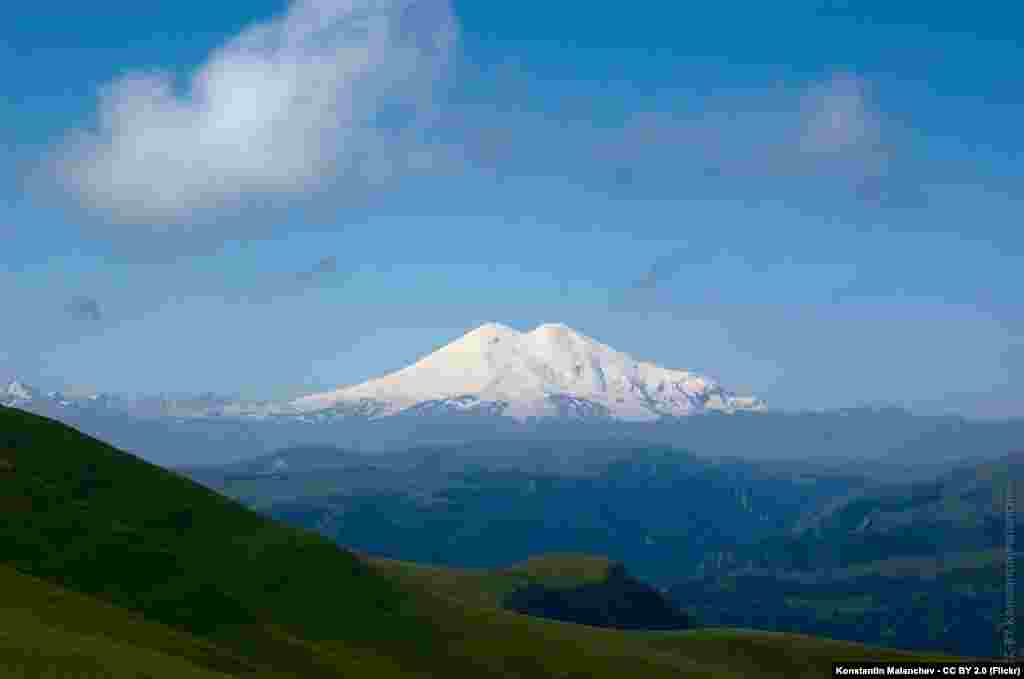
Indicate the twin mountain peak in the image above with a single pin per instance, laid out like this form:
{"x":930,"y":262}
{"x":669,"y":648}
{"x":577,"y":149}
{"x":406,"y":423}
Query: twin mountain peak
{"x":550,"y":371}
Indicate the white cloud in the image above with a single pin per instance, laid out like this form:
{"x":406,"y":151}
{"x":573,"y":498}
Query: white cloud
{"x":331,"y":89}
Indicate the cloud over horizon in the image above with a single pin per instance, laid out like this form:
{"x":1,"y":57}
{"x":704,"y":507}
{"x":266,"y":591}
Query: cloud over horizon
{"x":331,"y":91}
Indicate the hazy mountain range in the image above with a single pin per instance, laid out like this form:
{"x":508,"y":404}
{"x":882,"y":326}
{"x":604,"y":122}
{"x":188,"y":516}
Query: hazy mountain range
{"x":494,"y":370}
{"x":496,"y":383}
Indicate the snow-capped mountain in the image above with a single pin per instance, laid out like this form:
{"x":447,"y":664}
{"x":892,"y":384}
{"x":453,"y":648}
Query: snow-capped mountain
{"x":551,"y":371}
{"x":18,"y":392}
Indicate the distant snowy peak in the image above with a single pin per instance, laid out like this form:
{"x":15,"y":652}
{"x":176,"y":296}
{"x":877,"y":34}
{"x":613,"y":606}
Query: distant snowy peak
{"x":551,"y":371}
{"x":20,"y":390}
{"x":20,"y":394}
{"x":17,"y":391}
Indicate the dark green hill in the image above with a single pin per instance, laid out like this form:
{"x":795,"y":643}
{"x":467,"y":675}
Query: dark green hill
{"x":619,"y":601}
{"x":98,"y":521}
{"x":234,"y":592}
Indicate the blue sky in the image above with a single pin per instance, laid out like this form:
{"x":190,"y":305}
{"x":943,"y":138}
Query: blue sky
{"x":816,"y":204}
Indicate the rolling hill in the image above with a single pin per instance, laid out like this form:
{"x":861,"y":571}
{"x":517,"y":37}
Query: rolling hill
{"x":576,"y":588}
{"x":137,"y":567}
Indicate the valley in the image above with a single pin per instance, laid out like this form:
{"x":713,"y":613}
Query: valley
{"x":229,"y":591}
{"x":773,"y":546}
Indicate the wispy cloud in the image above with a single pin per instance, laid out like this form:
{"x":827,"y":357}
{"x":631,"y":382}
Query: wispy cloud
{"x":645,"y":292}
{"x":326,"y":265}
{"x":661,"y":270}
{"x":332,"y":91}
{"x":325,"y":272}
{"x":838,"y":117}
{"x":892,"y":190}
{"x":770,"y":142}
{"x":825,"y":130}
{"x":84,"y":309}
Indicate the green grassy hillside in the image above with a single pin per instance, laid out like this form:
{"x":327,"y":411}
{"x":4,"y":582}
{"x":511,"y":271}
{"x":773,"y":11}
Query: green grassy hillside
{"x":145,"y":573}
{"x":47,"y":629}
{"x":489,"y":587}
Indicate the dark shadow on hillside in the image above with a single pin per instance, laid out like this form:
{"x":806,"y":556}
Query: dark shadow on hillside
{"x":620,"y":601}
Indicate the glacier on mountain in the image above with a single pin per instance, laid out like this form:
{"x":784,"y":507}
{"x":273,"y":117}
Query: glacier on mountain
{"x":551,"y":371}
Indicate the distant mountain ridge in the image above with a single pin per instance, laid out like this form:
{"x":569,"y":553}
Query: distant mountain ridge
{"x":917,"y":565}
{"x":551,"y":372}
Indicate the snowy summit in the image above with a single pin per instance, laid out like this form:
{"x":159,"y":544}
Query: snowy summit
{"x":551,"y":371}
{"x":16,"y":391}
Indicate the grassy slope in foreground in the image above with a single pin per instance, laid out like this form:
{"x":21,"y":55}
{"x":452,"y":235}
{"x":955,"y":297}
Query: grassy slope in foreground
{"x":261,"y":599}
{"x":47,"y":630}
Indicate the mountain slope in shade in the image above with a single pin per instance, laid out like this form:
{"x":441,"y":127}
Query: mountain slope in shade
{"x":551,"y":371}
